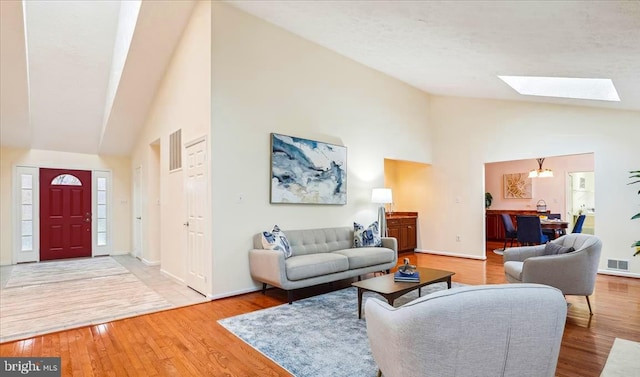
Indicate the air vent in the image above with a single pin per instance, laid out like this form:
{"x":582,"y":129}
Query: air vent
{"x":618,"y":264}
{"x":175,"y":150}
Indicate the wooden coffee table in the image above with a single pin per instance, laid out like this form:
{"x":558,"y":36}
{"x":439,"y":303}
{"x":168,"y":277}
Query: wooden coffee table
{"x":391,"y":290}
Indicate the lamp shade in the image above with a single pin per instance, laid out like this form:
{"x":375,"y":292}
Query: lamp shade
{"x":381,"y":196}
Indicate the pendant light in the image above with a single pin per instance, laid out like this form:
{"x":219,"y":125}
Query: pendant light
{"x":540,"y":173}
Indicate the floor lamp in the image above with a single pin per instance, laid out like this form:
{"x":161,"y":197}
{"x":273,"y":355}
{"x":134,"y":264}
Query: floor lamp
{"x":382,"y":196}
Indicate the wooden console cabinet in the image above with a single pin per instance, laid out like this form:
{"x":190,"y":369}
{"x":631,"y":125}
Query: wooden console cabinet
{"x":403,"y":227}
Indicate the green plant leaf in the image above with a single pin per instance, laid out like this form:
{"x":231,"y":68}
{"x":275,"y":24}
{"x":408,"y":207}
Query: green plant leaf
{"x":636,"y":216}
{"x":633,"y":181}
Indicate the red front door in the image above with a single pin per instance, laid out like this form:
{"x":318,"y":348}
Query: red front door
{"x":65,"y":213}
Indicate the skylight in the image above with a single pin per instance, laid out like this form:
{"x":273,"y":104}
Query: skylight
{"x":563,"y":87}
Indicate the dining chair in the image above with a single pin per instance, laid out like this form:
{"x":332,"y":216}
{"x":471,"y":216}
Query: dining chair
{"x":529,"y":230}
{"x":553,"y":233}
{"x":509,"y":230}
{"x":577,"y":228}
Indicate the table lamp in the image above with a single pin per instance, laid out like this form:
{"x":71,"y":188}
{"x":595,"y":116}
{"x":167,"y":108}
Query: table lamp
{"x":382,"y":196}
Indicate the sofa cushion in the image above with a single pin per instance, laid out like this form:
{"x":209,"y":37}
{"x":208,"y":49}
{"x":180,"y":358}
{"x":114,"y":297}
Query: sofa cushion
{"x":554,"y":248}
{"x":324,"y":240}
{"x":365,"y":237}
{"x":513,"y":270}
{"x":367,"y":256}
{"x":311,"y":265}
{"x":276,"y":240}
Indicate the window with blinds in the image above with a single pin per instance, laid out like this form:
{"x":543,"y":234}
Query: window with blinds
{"x":175,"y":150}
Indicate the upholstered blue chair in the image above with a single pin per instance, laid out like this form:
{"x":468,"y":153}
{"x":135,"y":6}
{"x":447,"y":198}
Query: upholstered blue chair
{"x":577,"y":228}
{"x":530,"y":231}
{"x":509,"y":230}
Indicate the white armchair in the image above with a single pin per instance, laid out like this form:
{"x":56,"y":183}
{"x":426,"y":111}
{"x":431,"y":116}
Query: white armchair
{"x":502,"y":330}
{"x":573,"y":273}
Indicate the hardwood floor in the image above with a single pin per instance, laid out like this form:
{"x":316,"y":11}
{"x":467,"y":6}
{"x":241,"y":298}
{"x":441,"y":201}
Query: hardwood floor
{"x":189,"y":342}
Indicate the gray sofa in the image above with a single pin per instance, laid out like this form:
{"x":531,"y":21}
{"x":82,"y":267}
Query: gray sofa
{"x":506,"y":330}
{"x":318,"y":256}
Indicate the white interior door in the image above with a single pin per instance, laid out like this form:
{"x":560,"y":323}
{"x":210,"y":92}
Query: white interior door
{"x":137,"y":213}
{"x":196,"y":189}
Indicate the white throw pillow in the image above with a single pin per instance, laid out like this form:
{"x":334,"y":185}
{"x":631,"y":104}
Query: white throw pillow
{"x":366,"y":237}
{"x":276,"y":240}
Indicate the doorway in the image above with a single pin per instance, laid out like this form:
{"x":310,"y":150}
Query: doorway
{"x":65,"y":214}
{"x":581,"y":199}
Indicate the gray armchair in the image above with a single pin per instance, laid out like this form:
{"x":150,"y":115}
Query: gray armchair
{"x":573,"y":273}
{"x":503,"y":330}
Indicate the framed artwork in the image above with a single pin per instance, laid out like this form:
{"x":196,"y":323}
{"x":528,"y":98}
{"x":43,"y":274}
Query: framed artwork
{"x":307,"y":172}
{"x":517,"y":186}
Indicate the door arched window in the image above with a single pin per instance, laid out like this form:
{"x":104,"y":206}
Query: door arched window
{"x":66,"y":179}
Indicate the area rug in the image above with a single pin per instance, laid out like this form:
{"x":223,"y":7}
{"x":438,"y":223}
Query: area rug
{"x":316,"y":337}
{"x":28,"y":308}
{"x":498,"y":251}
{"x":623,"y":359}
{"x":58,"y":271}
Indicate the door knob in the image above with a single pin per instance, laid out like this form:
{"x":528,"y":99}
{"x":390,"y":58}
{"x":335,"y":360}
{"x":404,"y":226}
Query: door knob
{"x":186,"y":224}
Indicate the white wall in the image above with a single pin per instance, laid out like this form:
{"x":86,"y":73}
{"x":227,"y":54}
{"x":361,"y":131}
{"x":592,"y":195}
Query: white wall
{"x":121,"y":195}
{"x":267,"y":80}
{"x":182,"y":102}
{"x":471,"y":132}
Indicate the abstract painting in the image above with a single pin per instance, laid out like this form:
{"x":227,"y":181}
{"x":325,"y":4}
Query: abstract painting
{"x":307,"y":171}
{"x":517,"y":186}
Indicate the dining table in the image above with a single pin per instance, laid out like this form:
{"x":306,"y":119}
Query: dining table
{"x":557,"y":225}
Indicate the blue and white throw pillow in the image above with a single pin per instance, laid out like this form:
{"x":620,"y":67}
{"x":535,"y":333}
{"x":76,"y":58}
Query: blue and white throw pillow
{"x":276,"y":240}
{"x":366,"y":237}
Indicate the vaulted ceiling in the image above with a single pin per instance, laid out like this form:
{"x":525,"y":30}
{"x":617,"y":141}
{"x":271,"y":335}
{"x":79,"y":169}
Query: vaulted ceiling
{"x":80,"y":76}
{"x":458,"y":48}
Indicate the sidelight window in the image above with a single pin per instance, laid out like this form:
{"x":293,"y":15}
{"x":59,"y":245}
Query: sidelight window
{"x":102,"y":211}
{"x":26,"y":212}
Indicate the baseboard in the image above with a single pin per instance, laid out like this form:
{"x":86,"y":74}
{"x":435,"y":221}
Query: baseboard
{"x":449,"y":254}
{"x":120,"y":253}
{"x":234,"y":293}
{"x":102,"y":254}
{"x":620,"y":273}
{"x":172,"y":276}
{"x":143,"y":260}
{"x":150,"y":263}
